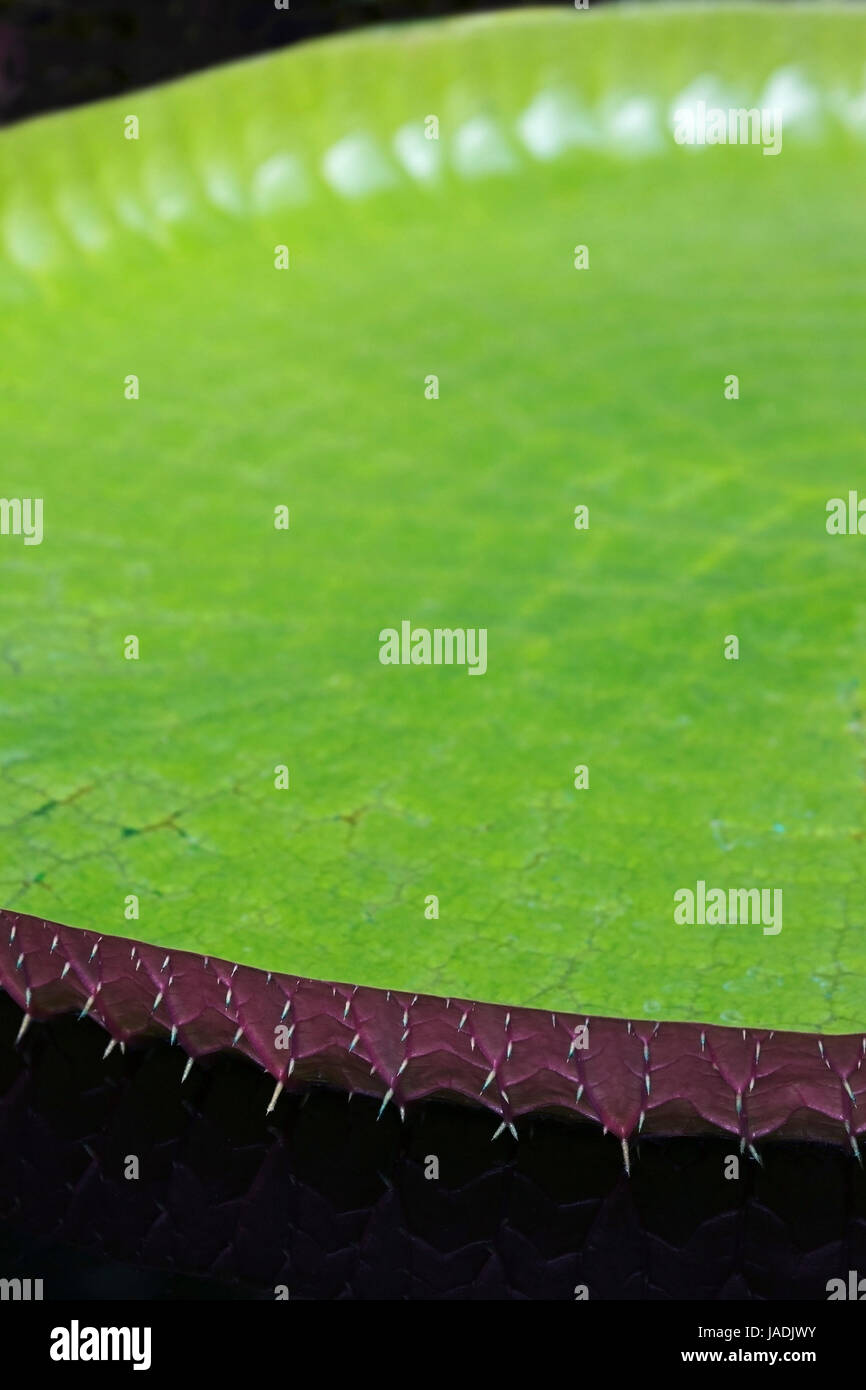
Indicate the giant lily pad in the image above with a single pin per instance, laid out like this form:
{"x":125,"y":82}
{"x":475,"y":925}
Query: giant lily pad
{"x":302,"y":379}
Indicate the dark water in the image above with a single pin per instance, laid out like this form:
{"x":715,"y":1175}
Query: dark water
{"x":327,"y":1200}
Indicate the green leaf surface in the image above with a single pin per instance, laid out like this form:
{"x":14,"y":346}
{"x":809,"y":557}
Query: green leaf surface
{"x":558,"y":387}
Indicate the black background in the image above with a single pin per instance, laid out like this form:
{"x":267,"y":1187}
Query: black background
{"x":59,"y":53}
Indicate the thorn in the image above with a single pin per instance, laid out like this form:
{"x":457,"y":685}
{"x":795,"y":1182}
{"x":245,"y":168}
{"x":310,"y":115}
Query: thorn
{"x":498,"y":1132}
{"x":507,"y":1021}
{"x":53,"y":944}
{"x":354,"y":1042}
{"x":111,"y":1046}
{"x":856,"y":1148}
{"x":346,"y":1010}
{"x":821,"y":1047}
{"x":739,"y":1102}
{"x":20,"y":961}
{"x":628,"y":1027}
{"x":553,"y":1019}
{"x":647,"y":1082}
{"x":237,"y":1037}
{"x":461,"y":1023}
{"x":156,"y":1003}
{"x":173,"y":1034}
{"x":388,"y":1094}
{"x":625,"y":1158}
{"x":847,"y":1086}
{"x":65,"y":971}
{"x":87,"y":1007}
{"x":513,"y":1129}
{"x":25,"y":1024}
{"x":490,"y":1076}
{"x":756,"y":1156}
{"x":508,"y":1052}
{"x":164,"y":964}
{"x":579,"y":1093}
{"x":646,"y":1052}
{"x":228,"y":997}
{"x":285,"y":1010}
{"x":403,"y":1065}
{"x":186,"y":1071}
{"x":640,"y":1121}
{"x":703,"y":1040}
{"x":275,"y":1097}
{"x":472,"y":1044}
